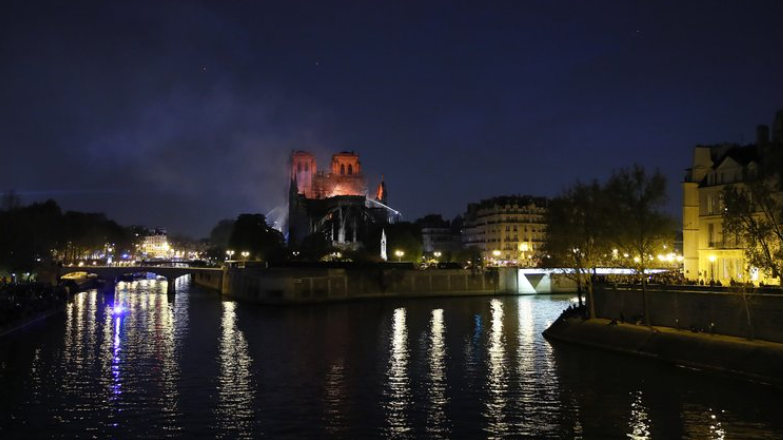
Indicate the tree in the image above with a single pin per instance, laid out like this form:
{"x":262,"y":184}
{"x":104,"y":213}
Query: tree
{"x":251,"y":234}
{"x":576,"y":235}
{"x":221,"y":233}
{"x":636,"y":224}
{"x":471,"y":255}
{"x":400,"y":236}
{"x":753,"y":216}
{"x":314,"y":247}
{"x":11,"y":201}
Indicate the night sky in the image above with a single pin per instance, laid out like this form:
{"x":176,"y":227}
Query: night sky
{"x":178,"y":114}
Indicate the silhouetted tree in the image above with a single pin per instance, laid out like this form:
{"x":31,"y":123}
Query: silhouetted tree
{"x":34,"y":234}
{"x":469,"y":255}
{"x":577,"y":235}
{"x":252,"y":234}
{"x":314,"y":247}
{"x":10,"y":201}
{"x":635,"y":220}
{"x":753,"y":215}
{"x":402,"y":236}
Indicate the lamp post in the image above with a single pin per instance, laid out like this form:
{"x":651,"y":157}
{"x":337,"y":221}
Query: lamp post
{"x":399,"y":255}
{"x":229,"y":254}
{"x":496,"y":255}
{"x":245,"y":254}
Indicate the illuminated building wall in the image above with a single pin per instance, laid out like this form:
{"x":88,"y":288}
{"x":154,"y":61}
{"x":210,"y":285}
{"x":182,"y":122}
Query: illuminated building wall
{"x":508,"y":230}
{"x":709,"y":254}
{"x":156,"y":246}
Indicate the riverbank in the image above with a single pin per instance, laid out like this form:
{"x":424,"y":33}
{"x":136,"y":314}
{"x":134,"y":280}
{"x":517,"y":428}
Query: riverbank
{"x":24,"y":304}
{"x":757,"y":360}
{"x":322,"y":285}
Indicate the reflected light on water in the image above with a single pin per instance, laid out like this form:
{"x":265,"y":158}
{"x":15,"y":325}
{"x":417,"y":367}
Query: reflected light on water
{"x":497,"y":382}
{"x":334,"y":399}
{"x":398,"y":389}
{"x":437,"y":420}
{"x":478,"y":368}
{"x":716,"y":427}
{"x":236,"y":391}
{"x":640,"y":422}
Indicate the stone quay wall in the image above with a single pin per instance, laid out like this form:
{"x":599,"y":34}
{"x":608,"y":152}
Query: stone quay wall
{"x":295,"y":286}
{"x":727,"y":312}
{"x":212,"y":280}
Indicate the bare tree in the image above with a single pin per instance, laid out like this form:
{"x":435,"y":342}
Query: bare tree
{"x":575,"y":235}
{"x":11,"y":201}
{"x":637,"y":226}
{"x":753,"y":215}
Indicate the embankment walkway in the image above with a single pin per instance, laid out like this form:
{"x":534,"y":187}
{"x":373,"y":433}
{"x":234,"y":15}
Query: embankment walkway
{"x":756,"y":360}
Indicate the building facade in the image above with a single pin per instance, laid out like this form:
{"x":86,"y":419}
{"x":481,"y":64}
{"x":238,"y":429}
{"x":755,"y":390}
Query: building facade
{"x":509,"y":230}
{"x":439,"y":236}
{"x":156,"y":245}
{"x":709,"y":254}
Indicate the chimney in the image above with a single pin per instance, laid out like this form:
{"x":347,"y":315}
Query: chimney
{"x":762,"y":135}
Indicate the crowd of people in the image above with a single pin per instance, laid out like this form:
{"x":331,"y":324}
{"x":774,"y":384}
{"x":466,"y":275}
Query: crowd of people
{"x":672,"y":278}
{"x":21,"y":301}
{"x":574,"y":311}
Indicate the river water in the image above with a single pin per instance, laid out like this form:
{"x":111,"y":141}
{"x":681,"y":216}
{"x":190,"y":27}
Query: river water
{"x":144,"y":364}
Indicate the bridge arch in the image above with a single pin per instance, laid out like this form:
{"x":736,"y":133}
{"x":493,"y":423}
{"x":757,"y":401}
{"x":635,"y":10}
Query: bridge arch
{"x":112,"y":273}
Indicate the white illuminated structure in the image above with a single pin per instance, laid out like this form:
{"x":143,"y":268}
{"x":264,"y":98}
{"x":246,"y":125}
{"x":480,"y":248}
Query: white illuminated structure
{"x":383,"y":245}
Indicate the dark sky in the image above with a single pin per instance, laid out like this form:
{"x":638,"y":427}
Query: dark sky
{"x":178,"y":114}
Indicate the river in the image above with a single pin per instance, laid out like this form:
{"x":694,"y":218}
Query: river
{"x":144,"y":364}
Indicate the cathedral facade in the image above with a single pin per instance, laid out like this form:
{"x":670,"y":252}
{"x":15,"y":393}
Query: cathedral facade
{"x":334,"y":202}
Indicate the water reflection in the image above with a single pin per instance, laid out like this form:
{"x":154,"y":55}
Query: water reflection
{"x":474,"y":348}
{"x":466,"y":368}
{"x":538,"y":409}
{"x":236,"y":390}
{"x":716,"y":427}
{"x":79,"y":357}
{"x":334,"y":399}
{"x":497,"y":382}
{"x":398,"y":388}
{"x":708,"y":423}
{"x":640,"y":421}
{"x":437,"y":420}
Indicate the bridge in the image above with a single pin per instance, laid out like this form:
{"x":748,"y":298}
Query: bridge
{"x":110,"y":274}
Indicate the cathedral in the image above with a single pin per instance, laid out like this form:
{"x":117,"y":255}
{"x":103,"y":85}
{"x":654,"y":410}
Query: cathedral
{"x":334,"y":202}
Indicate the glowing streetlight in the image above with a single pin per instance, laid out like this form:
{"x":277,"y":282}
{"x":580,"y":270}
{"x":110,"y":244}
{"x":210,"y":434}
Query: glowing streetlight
{"x":437,"y":254}
{"x":229,"y":254}
{"x":399,"y":255}
{"x":245,"y":254}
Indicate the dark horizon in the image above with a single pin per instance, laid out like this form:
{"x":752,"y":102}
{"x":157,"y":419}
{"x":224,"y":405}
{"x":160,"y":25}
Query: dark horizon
{"x":178,"y":115}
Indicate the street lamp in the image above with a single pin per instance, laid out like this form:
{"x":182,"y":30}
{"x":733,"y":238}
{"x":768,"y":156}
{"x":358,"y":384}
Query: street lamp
{"x":399,"y":255}
{"x":245,"y":254}
{"x":496,"y":255}
{"x":229,"y":254}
